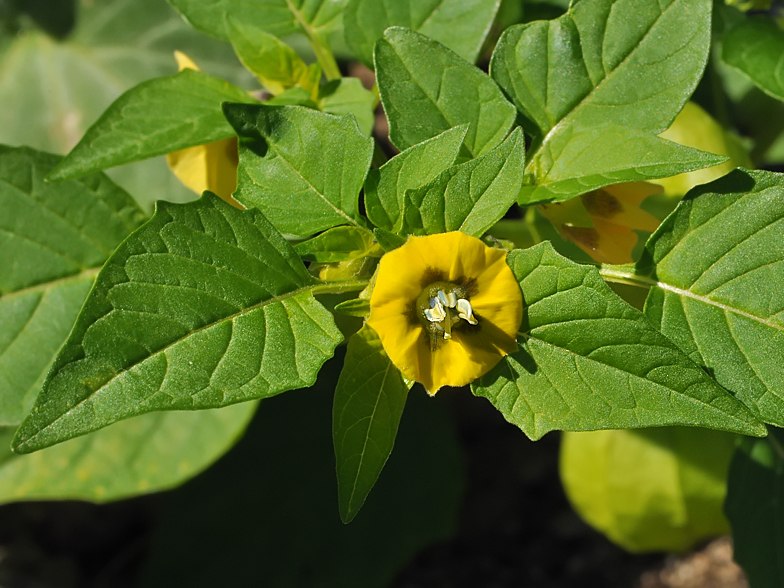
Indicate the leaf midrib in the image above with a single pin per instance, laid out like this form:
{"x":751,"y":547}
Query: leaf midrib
{"x":262,"y":304}
{"x":633,"y":279}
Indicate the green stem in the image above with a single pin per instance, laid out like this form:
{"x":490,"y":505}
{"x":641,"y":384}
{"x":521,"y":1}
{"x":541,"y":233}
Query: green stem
{"x":323,"y":53}
{"x":530,"y":220}
{"x":340,"y":287}
{"x":325,"y":57}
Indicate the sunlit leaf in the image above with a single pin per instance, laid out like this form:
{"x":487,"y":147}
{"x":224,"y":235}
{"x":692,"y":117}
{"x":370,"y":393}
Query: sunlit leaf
{"x":203,"y":306}
{"x":588,"y":360}
{"x":369,"y":400}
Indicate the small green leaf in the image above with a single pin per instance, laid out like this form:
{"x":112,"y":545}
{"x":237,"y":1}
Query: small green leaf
{"x":145,"y":454}
{"x":358,"y":307}
{"x":633,"y":64}
{"x":369,"y":401}
{"x":588,"y":360}
{"x":427,"y":89}
{"x":203,"y":306}
{"x":470,"y":197}
{"x":338,"y":244}
{"x":460,"y":25}
{"x":577,"y":161}
{"x":754,"y":48}
{"x":388,"y":241}
{"x":385,"y":188}
{"x":277,"y":17}
{"x":276,"y":65}
{"x":54,"y":238}
{"x":755,"y":508}
{"x":716,"y":267}
{"x":348,"y":95}
{"x":302,"y":168}
{"x":154,"y":118}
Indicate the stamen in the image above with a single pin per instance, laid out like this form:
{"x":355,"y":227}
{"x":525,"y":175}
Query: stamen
{"x":448,"y":300}
{"x":436,"y":312}
{"x":465,"y":312}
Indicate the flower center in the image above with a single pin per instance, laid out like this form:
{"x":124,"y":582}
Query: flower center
{"x":443,"y":306}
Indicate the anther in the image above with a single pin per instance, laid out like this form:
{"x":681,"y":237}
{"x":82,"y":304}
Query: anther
{"x":465,"y":312}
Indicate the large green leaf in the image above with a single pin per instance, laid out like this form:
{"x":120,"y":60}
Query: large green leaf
{"x":427,"y":89}
{"x":588,"y":360}
{"x":145,"y":454}
{"x":580,"y":160}
{"x":754,"y":48}
{"x":52,"y":91}
{"x":203,"y":306}
{"x":470,"y":197}
{"x":302,"y":168}
{"x":461,"y":25}
{"x":385,"y":188}
{"x":605,"y":63}
{"x":154,"y":118}
{"x":628,"y":62}
{"x":716,"y":285}
{"x":54,"y":238}
{"x":755,"y":508}
{"x":657,"y":489}
{"x":277,"y":17}
{"x":369,"y":401}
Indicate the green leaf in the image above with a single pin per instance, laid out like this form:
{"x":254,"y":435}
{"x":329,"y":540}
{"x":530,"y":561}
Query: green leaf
{"x":303,"y":182}
{"x":577,"y":161}
{"x":277,"y":17}
{"x":385,"y":188}
{"x":658,"y":489}
{"x":369,"y":401}
{"x":460,"y":25}
{"x":52,"y":91}
{"x":203,"y":306}
{"x":755,"y":508}
{"x":276,"y":65}
{"x":588,"y":360}
{"x":427,"y":89}
{"x":470,"y":197}
{"x":338,"y":244}
{"x":388,"y":241}
{"x":53,"y":238}
{"x":146,"y":454}
{"x":716,"y":275}
{"x":754,"y":48}
{"x":348,"y":95}
{"x":357,"y":307}
{"x":154,"y":118}
{"x":633,"y":64}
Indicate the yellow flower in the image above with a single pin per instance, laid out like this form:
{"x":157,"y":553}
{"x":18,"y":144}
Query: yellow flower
{"x":212,"y":166}
{"x":447,"y":309}
{"x":603,"y":222}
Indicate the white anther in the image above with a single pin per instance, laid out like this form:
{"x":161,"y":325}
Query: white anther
{"x":436,"y":312}
{"x":465,"y":312}
{"x":448,"y":300}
